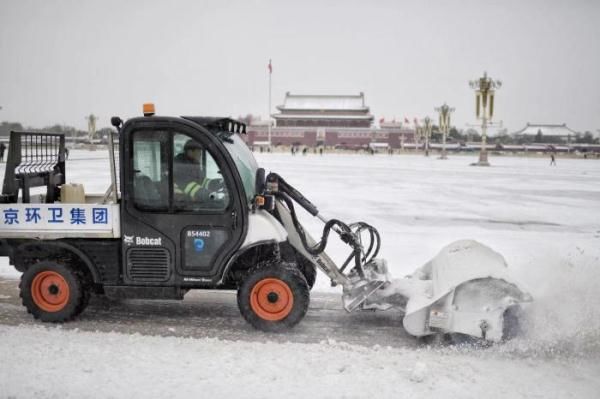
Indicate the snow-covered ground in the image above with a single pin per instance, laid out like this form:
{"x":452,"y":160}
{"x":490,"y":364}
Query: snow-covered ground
{"x":50,"y":362}
{"x":544,"y":220}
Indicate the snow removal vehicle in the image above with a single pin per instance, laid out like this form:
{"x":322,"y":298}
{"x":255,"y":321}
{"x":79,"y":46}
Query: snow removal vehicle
{"x":189,"y":208}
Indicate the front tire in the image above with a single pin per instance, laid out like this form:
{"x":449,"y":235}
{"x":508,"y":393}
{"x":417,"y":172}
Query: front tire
{"x":309,"y":271}
{"x":273,"y":297}
{"x":52,"y":292}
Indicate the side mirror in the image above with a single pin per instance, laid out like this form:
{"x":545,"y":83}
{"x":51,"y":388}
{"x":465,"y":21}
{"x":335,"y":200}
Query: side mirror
{"x":116,"y":122}
{"x":259,"y":182}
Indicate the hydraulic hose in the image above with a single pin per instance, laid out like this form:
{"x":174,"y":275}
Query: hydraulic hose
{"x":349,"y":234}
{"x":317,"y":249}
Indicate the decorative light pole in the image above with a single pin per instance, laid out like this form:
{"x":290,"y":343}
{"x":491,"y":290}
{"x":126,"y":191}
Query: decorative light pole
{"x":269,"y":113}
{"x":417,"y":135}
{"x":445,"y":112}
{"x":427,"y":127}
{"x":485,"y":88}
{"x":91,"y":119}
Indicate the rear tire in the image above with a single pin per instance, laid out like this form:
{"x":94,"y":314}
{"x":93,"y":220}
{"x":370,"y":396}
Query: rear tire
{"x":273,"y":297}
{"x":52,"y":292}
{"x":85,"y":300}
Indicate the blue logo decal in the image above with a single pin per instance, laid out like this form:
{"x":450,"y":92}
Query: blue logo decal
{"x":198,"y":244}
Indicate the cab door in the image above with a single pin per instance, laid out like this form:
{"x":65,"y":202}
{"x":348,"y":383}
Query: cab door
{"x":176,"y":232}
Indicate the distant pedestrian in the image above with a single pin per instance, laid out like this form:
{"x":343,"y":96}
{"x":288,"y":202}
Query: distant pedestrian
{"x":293,"y":151}
{"x":2,"y":149}
{"x":321,"y":151}
{"x":552,"y":160}
{"x":304,"y":151}
{"x":66,"y":153}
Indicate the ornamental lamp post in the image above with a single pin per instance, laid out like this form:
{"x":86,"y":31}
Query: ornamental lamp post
{"x":91,"y":119}
{"x":427,"y":133}
{"x":444,"y":112}
{"x":417,"y":135}
{"x":484,"y":87}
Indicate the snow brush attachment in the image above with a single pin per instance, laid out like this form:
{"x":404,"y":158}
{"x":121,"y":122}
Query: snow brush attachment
{"x":366,"y":276}
{"x":465,"y":291}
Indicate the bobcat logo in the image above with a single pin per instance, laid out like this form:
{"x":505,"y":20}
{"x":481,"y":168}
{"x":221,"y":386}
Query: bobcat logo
{"x":128,"y":239}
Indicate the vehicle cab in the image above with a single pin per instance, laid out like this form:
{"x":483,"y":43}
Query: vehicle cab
{"x":188,"y":185}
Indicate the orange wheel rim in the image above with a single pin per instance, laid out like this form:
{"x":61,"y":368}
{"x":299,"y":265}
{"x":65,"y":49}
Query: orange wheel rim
{"x":50,"y":291}
{"x":271,"y":299}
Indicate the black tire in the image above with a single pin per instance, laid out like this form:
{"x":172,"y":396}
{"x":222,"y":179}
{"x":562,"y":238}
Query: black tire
{"x":86,"y":286}
{"x":273,"y":297}
{"x":309,"y":271}
{"x":85,"y":300}
{"x":52,"y":292}
{"x":511,"y":327}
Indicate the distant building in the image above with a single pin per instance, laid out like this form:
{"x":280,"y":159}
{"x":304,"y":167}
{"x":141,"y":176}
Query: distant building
{"x":342,"y":121}
{"x":397,"y":134}
{"x":324,"y":111}
{"x":550,"y":138}
{"x":547,"y":133}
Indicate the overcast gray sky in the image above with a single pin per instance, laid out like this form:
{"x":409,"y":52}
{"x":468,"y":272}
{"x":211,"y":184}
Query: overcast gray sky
{"x":62,"y":60}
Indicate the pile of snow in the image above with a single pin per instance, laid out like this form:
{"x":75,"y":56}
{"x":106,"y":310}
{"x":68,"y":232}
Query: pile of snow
{"x":565,"y":314}
{"x":51,"y":362}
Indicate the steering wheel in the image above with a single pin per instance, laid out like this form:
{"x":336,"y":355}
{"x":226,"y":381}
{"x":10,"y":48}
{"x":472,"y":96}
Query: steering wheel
{"x":217,"y":191}
{"x":216,"y":185}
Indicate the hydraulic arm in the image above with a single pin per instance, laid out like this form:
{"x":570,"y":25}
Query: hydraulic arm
{"x":365,"y":274}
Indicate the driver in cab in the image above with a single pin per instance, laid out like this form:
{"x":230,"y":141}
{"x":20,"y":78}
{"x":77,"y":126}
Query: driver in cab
{"x":189,"y":179}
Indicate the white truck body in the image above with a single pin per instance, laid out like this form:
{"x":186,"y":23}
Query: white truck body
{"x":58,"y":220}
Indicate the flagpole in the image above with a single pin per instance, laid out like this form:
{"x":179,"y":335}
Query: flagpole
{"x":269,"y":113}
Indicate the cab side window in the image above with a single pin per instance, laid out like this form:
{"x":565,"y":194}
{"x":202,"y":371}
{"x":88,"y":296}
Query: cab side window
{"x":197,"y":180}
{"x":150,"y":170}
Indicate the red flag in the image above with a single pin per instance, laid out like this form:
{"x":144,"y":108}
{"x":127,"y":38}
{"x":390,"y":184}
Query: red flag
{"x":270,"y":67}
{"x":406,"y":120}
{"x":381,"y":120}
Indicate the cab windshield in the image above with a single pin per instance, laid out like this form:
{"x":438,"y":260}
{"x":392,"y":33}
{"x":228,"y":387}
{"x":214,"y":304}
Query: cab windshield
{"x":245,"y":163}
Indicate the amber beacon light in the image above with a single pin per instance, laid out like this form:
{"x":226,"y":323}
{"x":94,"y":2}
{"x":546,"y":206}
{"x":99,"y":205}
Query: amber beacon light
{"x":148,"y":109}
